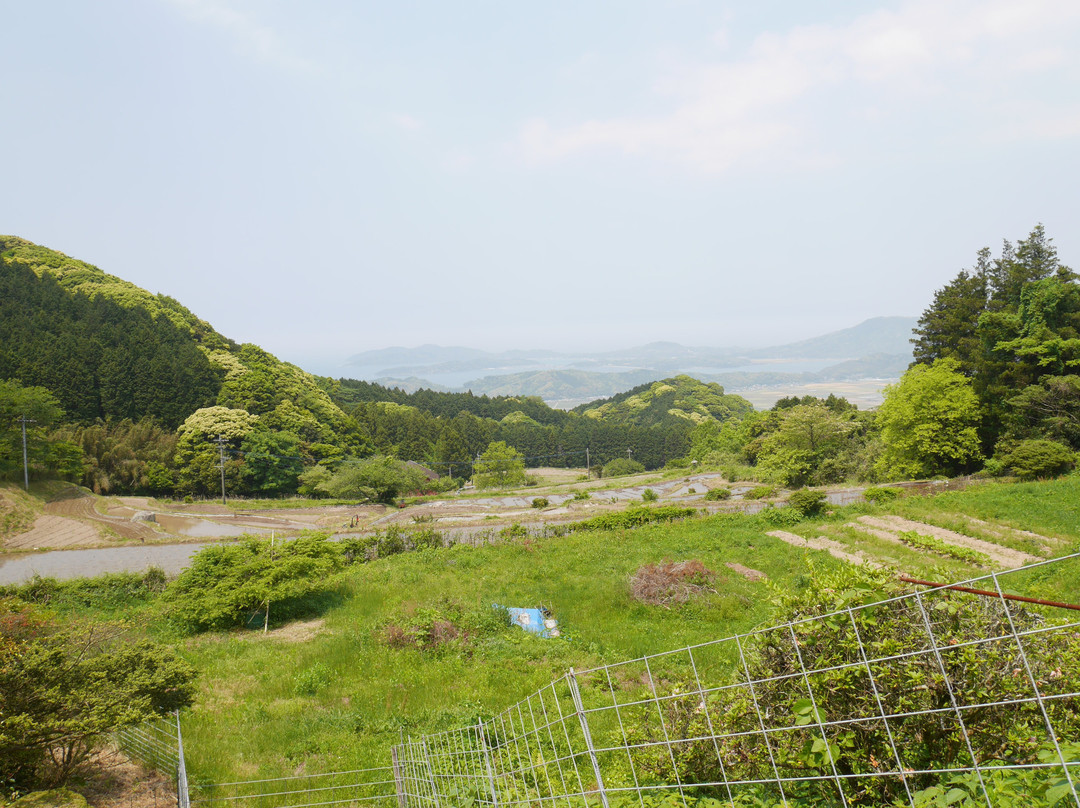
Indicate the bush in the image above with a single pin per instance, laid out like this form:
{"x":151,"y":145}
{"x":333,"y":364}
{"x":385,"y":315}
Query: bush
{"x":540,"y":503}
{"x":722,"y":724}
{"x":760,"y":492}
{"x":1039,"y":459}
{"x":648,"y":495}
{"x":807,"y":502}
{"x":780,"y":517}
{"x":227,"y":584}
{"x":582,"y":495}
{"x":442,"y":624}
{"x":620,"y":467}
{"x":311,"y":681}
{"x":717,"y":494}
{"x":879,"y":495}
{"x":631,"y":518}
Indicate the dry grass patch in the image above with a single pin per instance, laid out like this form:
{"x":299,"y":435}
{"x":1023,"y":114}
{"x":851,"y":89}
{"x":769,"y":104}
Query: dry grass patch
{"x":671,"y":582}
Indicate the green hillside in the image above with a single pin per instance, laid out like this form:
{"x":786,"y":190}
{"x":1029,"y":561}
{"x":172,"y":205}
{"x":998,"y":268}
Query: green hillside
{"x":681,"y":397}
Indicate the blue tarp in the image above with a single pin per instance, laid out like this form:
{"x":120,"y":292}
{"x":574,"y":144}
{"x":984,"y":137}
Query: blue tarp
{"x":538,"y":621}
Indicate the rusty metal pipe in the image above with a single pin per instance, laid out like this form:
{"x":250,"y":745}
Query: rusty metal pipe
{"x":984,"y":592}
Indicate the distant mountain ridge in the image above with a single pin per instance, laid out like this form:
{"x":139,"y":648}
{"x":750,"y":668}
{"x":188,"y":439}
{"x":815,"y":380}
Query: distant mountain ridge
{"x":878,"y":335}
{"x":878,"y":348}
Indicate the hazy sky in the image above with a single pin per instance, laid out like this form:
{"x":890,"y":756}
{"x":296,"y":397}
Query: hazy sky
{"x":333,"y":176}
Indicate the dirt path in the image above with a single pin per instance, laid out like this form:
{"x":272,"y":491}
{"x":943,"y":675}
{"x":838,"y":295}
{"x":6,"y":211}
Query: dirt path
{"x":833,"y":548}
{"x":887,"y":528}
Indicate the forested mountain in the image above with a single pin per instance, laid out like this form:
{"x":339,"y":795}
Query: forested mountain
{"x":131,"y":392}
{"x":681,"y":398}
{"x":104,"y":347}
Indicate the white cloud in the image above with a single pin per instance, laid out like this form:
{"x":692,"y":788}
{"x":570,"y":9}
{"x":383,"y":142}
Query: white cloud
{"x":772,"y":100}
{"x":254,"y":37}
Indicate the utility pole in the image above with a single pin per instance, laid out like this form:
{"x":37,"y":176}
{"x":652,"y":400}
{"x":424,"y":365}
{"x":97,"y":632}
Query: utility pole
{"x":25,"y":466}
{"x":588,"y":465}
{"x":221,"y":449}
{"x":628,"y":453}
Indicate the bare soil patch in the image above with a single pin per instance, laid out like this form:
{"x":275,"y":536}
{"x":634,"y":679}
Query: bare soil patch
{"x":82,"y":508}
{"x":888,"y":526}
{"x":833,"y":548}
{"x":119,"y":782}
{"x":300,"y":631}
{"x":746,"y":572}
{"x":56,"y":532}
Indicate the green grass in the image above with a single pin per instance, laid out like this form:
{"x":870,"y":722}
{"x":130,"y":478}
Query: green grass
{"x":340,"y":698}
{"x":253,"y":722}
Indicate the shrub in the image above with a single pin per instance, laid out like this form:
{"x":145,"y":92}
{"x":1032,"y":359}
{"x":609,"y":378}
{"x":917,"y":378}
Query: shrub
{"x":879,"y":495}
{"x":671,"y":582}
{"x":717,"y":494}
{"x":723,"y":723}
{"x":807,"y":502}
{"x":620,"y":467}
{"x":780,"y":517}
{"x":582,"y":495}
{"x":432,"y":628}
{"x":760,"y":492}
{"x":632,"y":518}
{"x":1038,"y":459}
{"x":540,"y":503}
{"x":648,"y":495}
{"x":312,"y":680}
{"x":227,"y":583}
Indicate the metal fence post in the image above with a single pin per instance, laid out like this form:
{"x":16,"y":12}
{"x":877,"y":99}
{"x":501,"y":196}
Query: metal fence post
{"x":183,"y":798}
{"x":430,"y":773}
{"x":399,"y":785}
{"x":579,"y":708}
{"x":482,"y":737}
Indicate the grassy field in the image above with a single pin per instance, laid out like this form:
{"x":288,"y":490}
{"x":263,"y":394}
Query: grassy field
{"x":337,"y":690}
{"x":338,"y":696}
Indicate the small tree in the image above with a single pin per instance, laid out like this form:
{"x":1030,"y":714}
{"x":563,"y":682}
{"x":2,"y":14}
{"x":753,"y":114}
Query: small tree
{"x":622,"y":466}
{"x":929,"y":422}
{"x":62,"y":689}
{"x":227,"y":584}
{"x":500,"y":466}
{"x":377,"y":479}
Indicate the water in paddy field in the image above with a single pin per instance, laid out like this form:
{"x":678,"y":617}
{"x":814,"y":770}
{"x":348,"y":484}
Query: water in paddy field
{"x":64,"y":564}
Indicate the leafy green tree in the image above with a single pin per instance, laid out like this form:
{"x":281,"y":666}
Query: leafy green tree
{"x":929,"y":422}
{"x":228,"y":584}
{"x":621,"y":467}
{"x":1050,"y":408}
{"x":272,"y":463}
{"x":500,"y":466}
{"x":62,"y":689}
{"x":377,"y":479}
{"x":313,"y":481}
{"x":39,"y":406}
{"x":198,"y":455}
{"x":808,"y":438}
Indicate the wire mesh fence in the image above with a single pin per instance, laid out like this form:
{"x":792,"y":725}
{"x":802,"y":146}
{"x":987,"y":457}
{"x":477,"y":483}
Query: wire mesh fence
{"x":360,"y":787}
{"x":155,"y":744}
{"x":954,"y":695}
{"x":929,"y":698}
